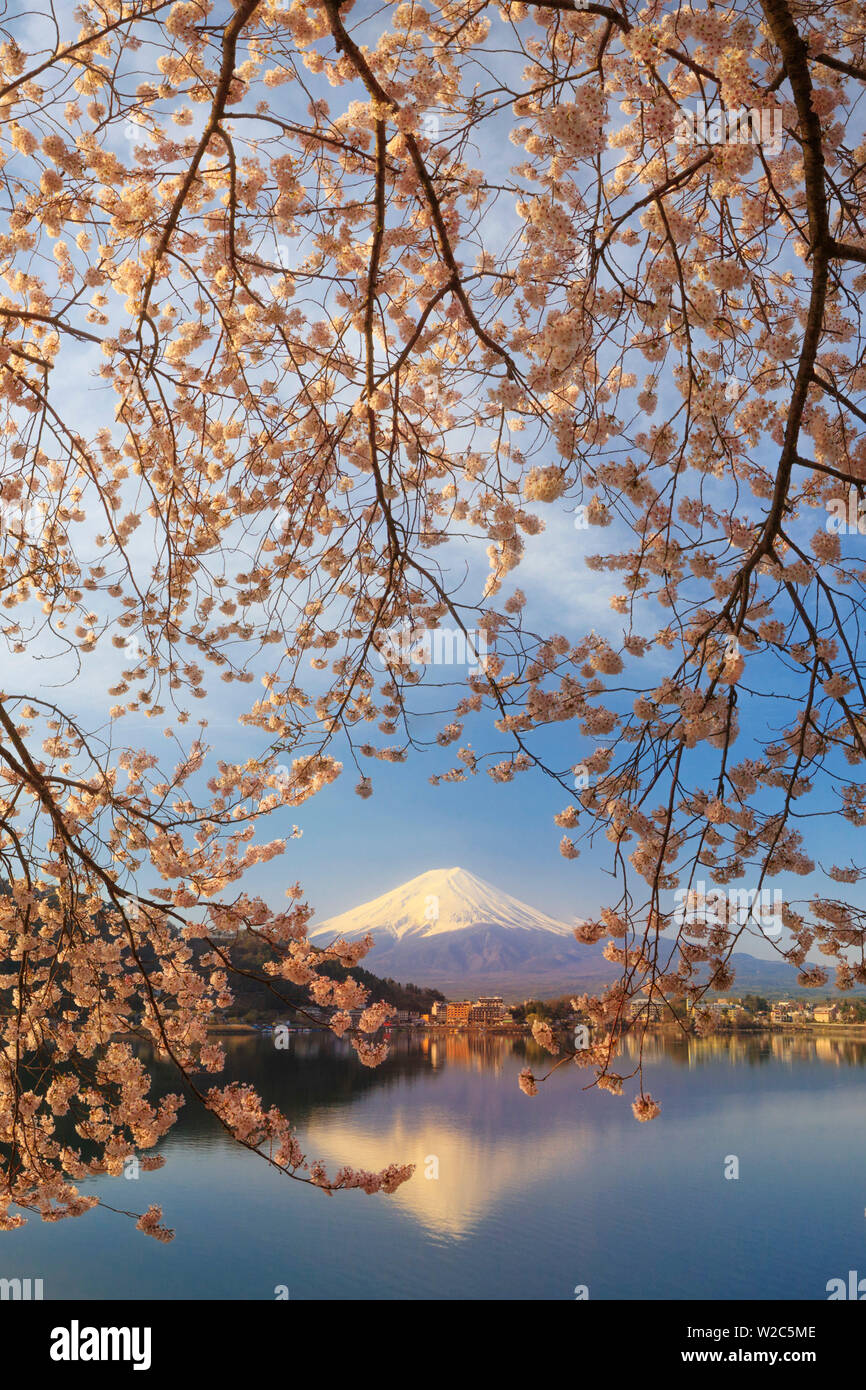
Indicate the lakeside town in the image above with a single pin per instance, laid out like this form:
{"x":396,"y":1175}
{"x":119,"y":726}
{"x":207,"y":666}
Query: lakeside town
{"x":490,"y":1012}
{"x":799,"y":1012}
{"x":756,"y":1011}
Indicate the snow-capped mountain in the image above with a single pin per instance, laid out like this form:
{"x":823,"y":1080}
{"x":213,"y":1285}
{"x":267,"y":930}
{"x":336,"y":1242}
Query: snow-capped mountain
{"x":449,"y":929}
{"x":436,"y":903}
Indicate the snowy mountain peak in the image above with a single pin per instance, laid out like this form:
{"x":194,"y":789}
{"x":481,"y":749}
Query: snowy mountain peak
{"x":435,"y":903}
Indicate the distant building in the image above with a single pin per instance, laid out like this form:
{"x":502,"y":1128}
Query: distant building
{"x":458,"y":1012}
{"x":645,"y":1010}
{"x":487,"y":1011}
{"x":439,"y":1011}
{"x":826,"y":1014}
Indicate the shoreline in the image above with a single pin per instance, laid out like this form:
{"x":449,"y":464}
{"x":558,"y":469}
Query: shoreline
{"x":511,"y":1030}
{"x":856,"y":1030}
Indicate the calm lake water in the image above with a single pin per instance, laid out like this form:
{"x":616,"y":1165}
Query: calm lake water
{"x":534,"y":1196}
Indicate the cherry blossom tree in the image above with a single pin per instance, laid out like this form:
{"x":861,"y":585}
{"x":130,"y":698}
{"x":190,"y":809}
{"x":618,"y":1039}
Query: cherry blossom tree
{"x":296,"y":297}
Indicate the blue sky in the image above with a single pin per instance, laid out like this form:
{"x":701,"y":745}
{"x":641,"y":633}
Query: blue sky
{"x":354,"y":849}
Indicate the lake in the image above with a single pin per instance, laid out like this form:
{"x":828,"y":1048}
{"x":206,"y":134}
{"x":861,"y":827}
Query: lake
{"x":533,"y":1198}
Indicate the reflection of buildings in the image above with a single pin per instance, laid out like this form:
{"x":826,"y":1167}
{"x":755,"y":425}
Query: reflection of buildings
{"x":744,"y":1049}
{"x":473,"y":1049}
{"x":826,"y":1049}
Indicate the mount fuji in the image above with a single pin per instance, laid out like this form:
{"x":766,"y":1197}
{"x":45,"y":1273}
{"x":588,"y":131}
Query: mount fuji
{"x":450,"y":930}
